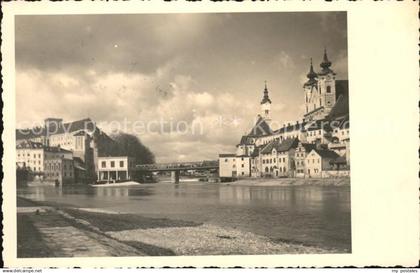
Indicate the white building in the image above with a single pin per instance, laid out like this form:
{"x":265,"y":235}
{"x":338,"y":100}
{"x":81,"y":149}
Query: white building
{"x":232,"y":166}
{"x":319,"y":161}
{"x":116,"y":168}
{"x":30,"y":155}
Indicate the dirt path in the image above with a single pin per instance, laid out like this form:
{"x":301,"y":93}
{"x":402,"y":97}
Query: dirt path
{"x":63,"y":239}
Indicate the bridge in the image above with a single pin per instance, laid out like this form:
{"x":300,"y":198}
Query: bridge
{"x":176,"y":168}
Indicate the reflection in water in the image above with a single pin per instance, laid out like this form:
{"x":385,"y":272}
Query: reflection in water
{"x":308,"y":214}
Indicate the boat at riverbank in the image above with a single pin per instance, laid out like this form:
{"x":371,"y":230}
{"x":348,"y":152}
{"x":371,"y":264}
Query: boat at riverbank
{"x":117,"y":184}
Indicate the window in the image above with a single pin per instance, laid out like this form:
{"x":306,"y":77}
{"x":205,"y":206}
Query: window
{"x":226,"y":160}
{"x":103,"y":164}
{"x":233,"y":166}
{"x":242,"y":165}
{"x":112,"y":164}
{"x":121,"y":163}
{"x":34,"y":155}
{"x":284,"y":159}
{"x":243,"y":173}
{"x":274,"y":160}
{"x":328,"y":89}
{"x":242,"y":158}
{"x":313,"y":160}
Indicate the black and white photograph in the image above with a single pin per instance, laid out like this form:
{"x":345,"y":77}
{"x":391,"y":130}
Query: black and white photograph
{"x":182,"y":134}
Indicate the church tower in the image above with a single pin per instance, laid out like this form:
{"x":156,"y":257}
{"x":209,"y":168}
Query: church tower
{"x":311,"y":91}
{"x":326,"y":84}
{"x":266,"y":105}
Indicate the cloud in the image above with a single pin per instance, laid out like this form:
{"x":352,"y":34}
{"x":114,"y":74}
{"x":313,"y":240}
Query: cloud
{"x":202,"y":70}
{"x":285,"y":60}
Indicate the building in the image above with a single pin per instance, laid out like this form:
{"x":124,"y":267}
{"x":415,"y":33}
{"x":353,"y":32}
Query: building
{"x":319,"y":161}
{"x":118,"y":168}
{"x":324,"y":127}
{"x":82,"y":137}
{"x":59,"y":170}
{"x":232,"y":166}
{"x":302,"y":151}
{"x":30,"y":155}
{"x":277,"y":158}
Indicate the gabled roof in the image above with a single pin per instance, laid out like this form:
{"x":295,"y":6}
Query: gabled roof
{"x":261,"y":128}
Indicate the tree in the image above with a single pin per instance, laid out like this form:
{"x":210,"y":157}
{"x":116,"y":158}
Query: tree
{"x":130,"y":145}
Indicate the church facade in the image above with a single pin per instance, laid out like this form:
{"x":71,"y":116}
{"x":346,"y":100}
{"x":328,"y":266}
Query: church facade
{"x":322,"y":133}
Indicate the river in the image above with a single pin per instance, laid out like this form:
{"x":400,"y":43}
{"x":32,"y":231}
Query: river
{"x":312,"y":215}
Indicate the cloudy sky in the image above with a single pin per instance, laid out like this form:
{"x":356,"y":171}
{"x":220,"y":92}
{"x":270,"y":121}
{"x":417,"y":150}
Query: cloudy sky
{"x":201,"y":73}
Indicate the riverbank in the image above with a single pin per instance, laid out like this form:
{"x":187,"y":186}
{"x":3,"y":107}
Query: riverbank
{"x":339,"y":181}
{"x":99,"y":233}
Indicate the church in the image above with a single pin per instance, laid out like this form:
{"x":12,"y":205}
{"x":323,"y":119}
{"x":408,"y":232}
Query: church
{"x":317,"y":145}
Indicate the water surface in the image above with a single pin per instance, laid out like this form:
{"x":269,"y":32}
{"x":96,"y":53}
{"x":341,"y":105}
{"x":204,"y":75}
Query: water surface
{"x":311,"y":215}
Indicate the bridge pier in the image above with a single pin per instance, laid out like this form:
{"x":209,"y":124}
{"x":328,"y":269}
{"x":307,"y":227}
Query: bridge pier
{"x":175,"y":176}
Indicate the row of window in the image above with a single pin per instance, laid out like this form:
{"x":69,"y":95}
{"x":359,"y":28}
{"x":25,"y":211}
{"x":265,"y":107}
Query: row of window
{"x":273,"y":160}
{"x":28,"y":155}
{"x":313,"y":161}
{"x":112,"y":164}
{"x":234,"y":166}
{"x":234,"y":159}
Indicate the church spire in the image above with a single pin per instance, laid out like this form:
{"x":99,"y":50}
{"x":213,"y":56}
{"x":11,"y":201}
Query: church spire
{"x":325,"y":63}
{"x":265,"y":98}
{"x":311,"y":75}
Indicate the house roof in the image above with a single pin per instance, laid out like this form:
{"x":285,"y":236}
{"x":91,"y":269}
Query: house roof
{"x":325,"y":153}
{"x":341,"y":106}
{"x":340,"y":160}
{"x":283,"y":146}
{"x":308,"y":147}
{"x":261,"y":128}
{"x":83,"y":124}
{"x":28,"y":144}
{"x":319,"y":124}
{"x":291,"y":128}
{"x":227,"y":155}
{"x":55,"y":149}
{"x":30,"y":133}
{"x":268,"y":147}
{"x":245,"y":140}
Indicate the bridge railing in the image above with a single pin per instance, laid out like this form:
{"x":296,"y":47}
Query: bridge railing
{"x":194,"y":164}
